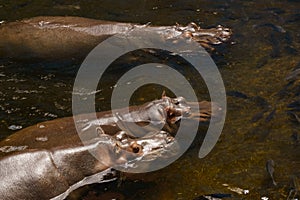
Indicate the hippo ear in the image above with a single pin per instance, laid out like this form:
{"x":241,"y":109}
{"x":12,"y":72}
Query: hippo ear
{"x":121,"y":123}
{"x":100,"y":131}
{"x":163,"y":95}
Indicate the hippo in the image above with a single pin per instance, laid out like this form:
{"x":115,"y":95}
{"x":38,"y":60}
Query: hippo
{"x":164,"y":112}
{"x":167,"y":112}
{"x":54,"y":147}
{"x":48,"y":160}
{"x":72,"y":38}
{"x":54,"y":172}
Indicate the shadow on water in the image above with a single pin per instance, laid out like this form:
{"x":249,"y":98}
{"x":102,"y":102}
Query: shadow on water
{"x":260,"y":74}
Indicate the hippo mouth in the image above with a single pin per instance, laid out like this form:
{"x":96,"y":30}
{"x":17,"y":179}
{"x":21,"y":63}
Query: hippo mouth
{"x":177,"y":110}
{"x":175,"y":114}
{"x":204,"y":111}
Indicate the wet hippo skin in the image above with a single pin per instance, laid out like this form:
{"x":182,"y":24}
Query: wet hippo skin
{"x":29,"y":39}
{"x":63,"y":131}
{"x":53,"y":154}
{"x":65,"y":38}
{"x":54,"y":172}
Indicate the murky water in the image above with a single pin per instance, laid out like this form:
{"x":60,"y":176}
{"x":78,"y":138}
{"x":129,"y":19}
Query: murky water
{"x":265,"y":50}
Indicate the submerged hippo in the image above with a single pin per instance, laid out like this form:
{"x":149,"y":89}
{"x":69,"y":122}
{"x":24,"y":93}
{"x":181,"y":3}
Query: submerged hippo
{"x":54,"y":172}
{"x":37,"y":158}
{"x":67,"y":38}
{"x":48,"y":160}
{"x":165,"y":112}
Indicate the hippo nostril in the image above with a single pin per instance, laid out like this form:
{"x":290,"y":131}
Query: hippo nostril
{"x":169,"y":139}
{"x":186,"y":112}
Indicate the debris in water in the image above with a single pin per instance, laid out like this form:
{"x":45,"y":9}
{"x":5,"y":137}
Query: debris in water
{"x":14,"y":127}
{"x":257,"y":117}
{"x":294,"y":75}
{"x":296,"y":116}
{"x":217,"y":196}
{"x":271,"y":115}
{"x":261,"y":102}
{"x":275,"y":27}
{"x":294,"y":106}
{"x":270,"y":169}
{"x":237,"y":94}
{"x":295,"y":187}
{"x":295,"y":137}
{"x":236,"y":189}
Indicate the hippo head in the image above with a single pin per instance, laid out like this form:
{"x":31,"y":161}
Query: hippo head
{"x":178,"y":108}
{"x":206,"y":37}
{"x":169,"y":110}
{"x":151,"y":145}
{"x":129,"y":152}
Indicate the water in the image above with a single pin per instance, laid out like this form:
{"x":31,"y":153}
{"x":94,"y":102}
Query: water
{"x":258,"y":128}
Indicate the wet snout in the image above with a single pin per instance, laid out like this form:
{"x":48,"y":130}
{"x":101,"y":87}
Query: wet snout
{"x":180,"y":108}
{"x":152,"y":143}
{"x":204,"y":111}
{"x":175,"y":114}
{"x":158,"y":145}
{"x":145,"y":153}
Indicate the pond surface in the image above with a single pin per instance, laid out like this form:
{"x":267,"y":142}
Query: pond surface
{"x":259,"y":70}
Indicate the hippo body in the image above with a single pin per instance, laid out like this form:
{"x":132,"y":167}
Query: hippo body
{"x":59,"y":132}
{"x":48,"y":160}
{"x":54,"y":172}
{"x":46,"y":173}
{"x":49,"y":38}
{"x":68,"y":38}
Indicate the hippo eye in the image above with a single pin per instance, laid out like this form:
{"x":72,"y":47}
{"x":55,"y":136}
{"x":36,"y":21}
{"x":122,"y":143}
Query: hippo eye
{"x":135,"y":149}
{"x":176,"y":102}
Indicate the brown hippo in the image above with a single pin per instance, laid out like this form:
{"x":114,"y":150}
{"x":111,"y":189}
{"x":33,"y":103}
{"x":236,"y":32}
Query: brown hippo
{"x":67,"y":38}
{"x":37,"y":158}
{"x":167,"y":111}
{"x":49,"y":154}
{"x":54,"y":172}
